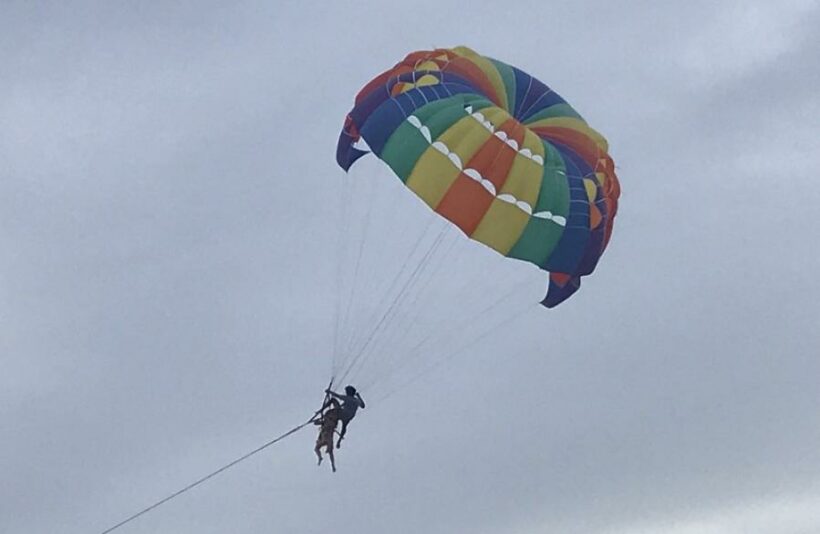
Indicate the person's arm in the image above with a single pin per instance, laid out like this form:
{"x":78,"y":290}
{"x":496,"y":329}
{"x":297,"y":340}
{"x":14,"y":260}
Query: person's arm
{"x":334,"y":394}
{"x":361,"y":402}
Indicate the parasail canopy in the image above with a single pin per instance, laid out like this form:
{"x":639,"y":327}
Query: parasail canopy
{"x":497,"y":153}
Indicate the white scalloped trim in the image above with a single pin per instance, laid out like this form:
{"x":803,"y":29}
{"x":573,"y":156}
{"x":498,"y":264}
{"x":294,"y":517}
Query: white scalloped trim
{"x":361,"y":144}
{"x":557,"y":219}
{"x":523,"y":206}
{"x":501,"y":134}
{"x":475,"y":175}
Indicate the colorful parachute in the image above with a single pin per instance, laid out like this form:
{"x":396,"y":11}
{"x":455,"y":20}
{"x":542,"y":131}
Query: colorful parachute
{"x":497,"y":153}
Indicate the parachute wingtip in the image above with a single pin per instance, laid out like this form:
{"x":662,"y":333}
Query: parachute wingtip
{"x":561,"y":287}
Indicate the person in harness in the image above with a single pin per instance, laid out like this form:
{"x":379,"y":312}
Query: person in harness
{"x":327,"y":421}
{"x":351,"y":402}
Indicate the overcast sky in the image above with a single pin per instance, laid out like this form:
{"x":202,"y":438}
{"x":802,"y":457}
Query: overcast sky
{"x":169,"y":203}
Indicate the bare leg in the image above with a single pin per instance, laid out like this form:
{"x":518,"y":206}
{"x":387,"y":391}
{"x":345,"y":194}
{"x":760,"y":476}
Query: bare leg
{"x":330,"y":455}
{"x":318,"y":453}
{"x":342,"y":433}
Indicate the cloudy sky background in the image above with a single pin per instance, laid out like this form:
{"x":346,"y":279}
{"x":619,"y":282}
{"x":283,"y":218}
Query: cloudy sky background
{"x":168,"y":202}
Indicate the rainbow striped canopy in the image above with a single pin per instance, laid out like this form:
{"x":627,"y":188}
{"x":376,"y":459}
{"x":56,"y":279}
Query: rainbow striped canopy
{"x":497,"y":153}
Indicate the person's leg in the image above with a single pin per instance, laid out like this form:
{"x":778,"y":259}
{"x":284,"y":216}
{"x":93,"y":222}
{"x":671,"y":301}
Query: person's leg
{"x":318,"y":451}
{"x":345,"y":421}
{"x":330,"y":455}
